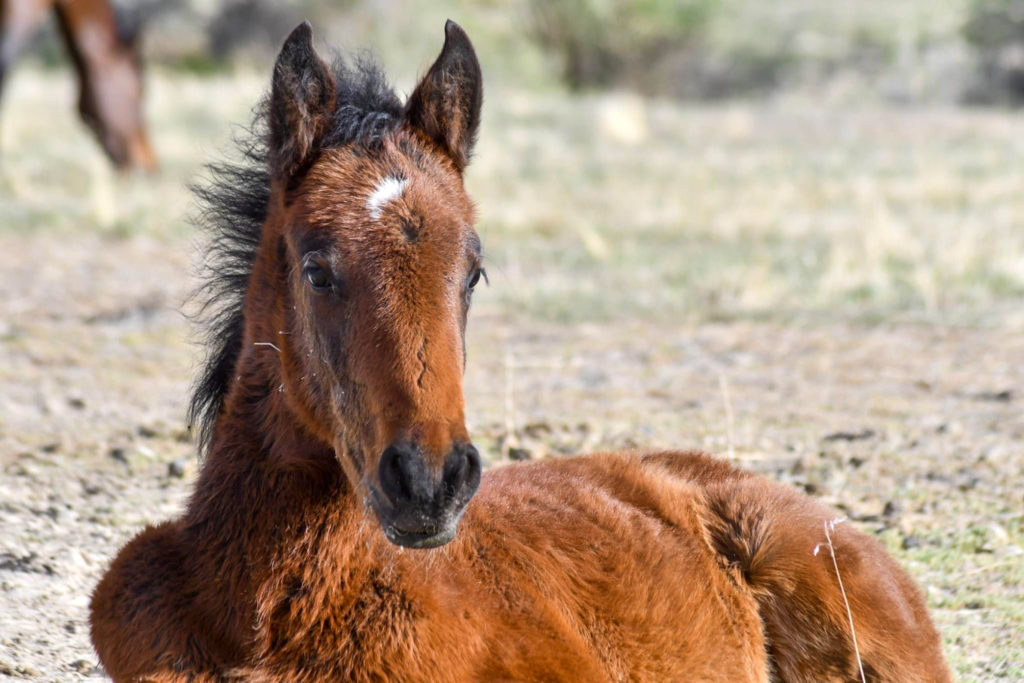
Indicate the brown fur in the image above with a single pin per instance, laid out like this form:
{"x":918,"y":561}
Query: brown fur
{"x":639,"y":566}
{"x":107,"y":64}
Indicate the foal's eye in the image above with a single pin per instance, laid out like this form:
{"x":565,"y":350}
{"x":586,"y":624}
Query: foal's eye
{"x":474,"y":277}
{"x":317,"y":277}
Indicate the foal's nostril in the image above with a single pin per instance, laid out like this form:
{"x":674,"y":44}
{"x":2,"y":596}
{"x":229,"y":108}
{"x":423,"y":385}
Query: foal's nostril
{"x":412,"y":488}
{"x":461,"y":473}
{"x":396,"y":464}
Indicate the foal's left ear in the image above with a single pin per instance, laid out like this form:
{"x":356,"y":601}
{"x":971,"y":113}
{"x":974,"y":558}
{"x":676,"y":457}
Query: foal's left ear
{"x":446,"y":104}
{"x":302,"y":99}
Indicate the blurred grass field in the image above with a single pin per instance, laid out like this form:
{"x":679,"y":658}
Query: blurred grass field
{"x":622,"y":206}
{"x":827,"y":287}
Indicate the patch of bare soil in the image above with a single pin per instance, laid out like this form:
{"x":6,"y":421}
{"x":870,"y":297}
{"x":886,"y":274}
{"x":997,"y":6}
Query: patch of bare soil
{"x":915,"y":433}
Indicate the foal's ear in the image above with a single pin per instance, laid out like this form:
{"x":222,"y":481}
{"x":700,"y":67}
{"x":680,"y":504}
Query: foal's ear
{"x":302,"y":98}
{"x":446,"y":103}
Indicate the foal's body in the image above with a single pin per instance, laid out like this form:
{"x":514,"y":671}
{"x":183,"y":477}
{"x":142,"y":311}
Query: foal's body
{"x":661,"y":566}
{"x":340,"y":528}
{"x":584,"y":569}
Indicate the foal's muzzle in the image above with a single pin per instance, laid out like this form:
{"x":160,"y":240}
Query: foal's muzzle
{"x":418,"y":507}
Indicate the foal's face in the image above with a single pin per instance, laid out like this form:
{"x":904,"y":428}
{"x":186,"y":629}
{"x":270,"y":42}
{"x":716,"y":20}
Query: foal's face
{"x":382,"y":261}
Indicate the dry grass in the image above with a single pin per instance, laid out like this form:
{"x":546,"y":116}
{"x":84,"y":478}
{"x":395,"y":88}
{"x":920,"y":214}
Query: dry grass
{"x":615,"y":205}
{"x":829,"y":526}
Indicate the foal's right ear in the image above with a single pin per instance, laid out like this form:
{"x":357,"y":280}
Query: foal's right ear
{"x":302,"y":99}
{"x":445,"y":106}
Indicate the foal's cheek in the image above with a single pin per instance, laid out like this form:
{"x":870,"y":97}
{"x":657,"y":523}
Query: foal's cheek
{"x":324,"y":331}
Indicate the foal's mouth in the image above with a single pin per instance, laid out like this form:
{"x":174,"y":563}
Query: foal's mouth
{"x":420,"y":539}
{"x":412,"y":528}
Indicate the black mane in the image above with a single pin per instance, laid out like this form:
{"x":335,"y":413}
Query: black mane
{"x":233,"y":207}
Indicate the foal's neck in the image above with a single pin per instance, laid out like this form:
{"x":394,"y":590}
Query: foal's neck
{"x":258,"y":435}
{"x":261,"y":457}
{"x":267,"y":476}
{"x":256,"y":515}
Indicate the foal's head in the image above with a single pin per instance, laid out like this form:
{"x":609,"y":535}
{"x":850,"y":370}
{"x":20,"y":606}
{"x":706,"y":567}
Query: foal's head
{"x":372,"y":255}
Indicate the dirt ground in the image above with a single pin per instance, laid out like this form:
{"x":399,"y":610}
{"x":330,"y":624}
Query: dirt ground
{"x":913,"y":432}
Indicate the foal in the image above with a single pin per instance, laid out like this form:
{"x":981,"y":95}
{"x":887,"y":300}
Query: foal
{"x":338,"y":462}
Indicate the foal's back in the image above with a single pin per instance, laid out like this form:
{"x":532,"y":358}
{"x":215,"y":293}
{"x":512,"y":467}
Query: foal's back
{"x":678,"y":566}
{"x":608,"y":564}
{"x":660,"y":566}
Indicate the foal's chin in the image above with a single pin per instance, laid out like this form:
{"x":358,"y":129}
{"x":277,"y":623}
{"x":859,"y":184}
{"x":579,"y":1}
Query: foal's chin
{"x":412,"y":529}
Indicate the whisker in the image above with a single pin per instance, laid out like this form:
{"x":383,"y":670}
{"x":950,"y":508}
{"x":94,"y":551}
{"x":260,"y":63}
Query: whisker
{"x":270,"y":344}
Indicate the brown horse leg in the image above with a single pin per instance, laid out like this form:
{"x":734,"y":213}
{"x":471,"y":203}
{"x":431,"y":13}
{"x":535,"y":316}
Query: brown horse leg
{"x":19,"y":20}
{"x":109,"y":79}
{"x":776,"y":538}
{"x":141,"y":615}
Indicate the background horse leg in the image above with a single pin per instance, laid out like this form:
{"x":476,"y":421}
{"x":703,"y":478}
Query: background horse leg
{"x":110,"y":79}
{"x":19,"y":21}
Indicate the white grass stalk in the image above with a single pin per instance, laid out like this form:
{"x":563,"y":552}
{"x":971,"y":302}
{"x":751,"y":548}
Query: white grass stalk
{"x":829,"y":526}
